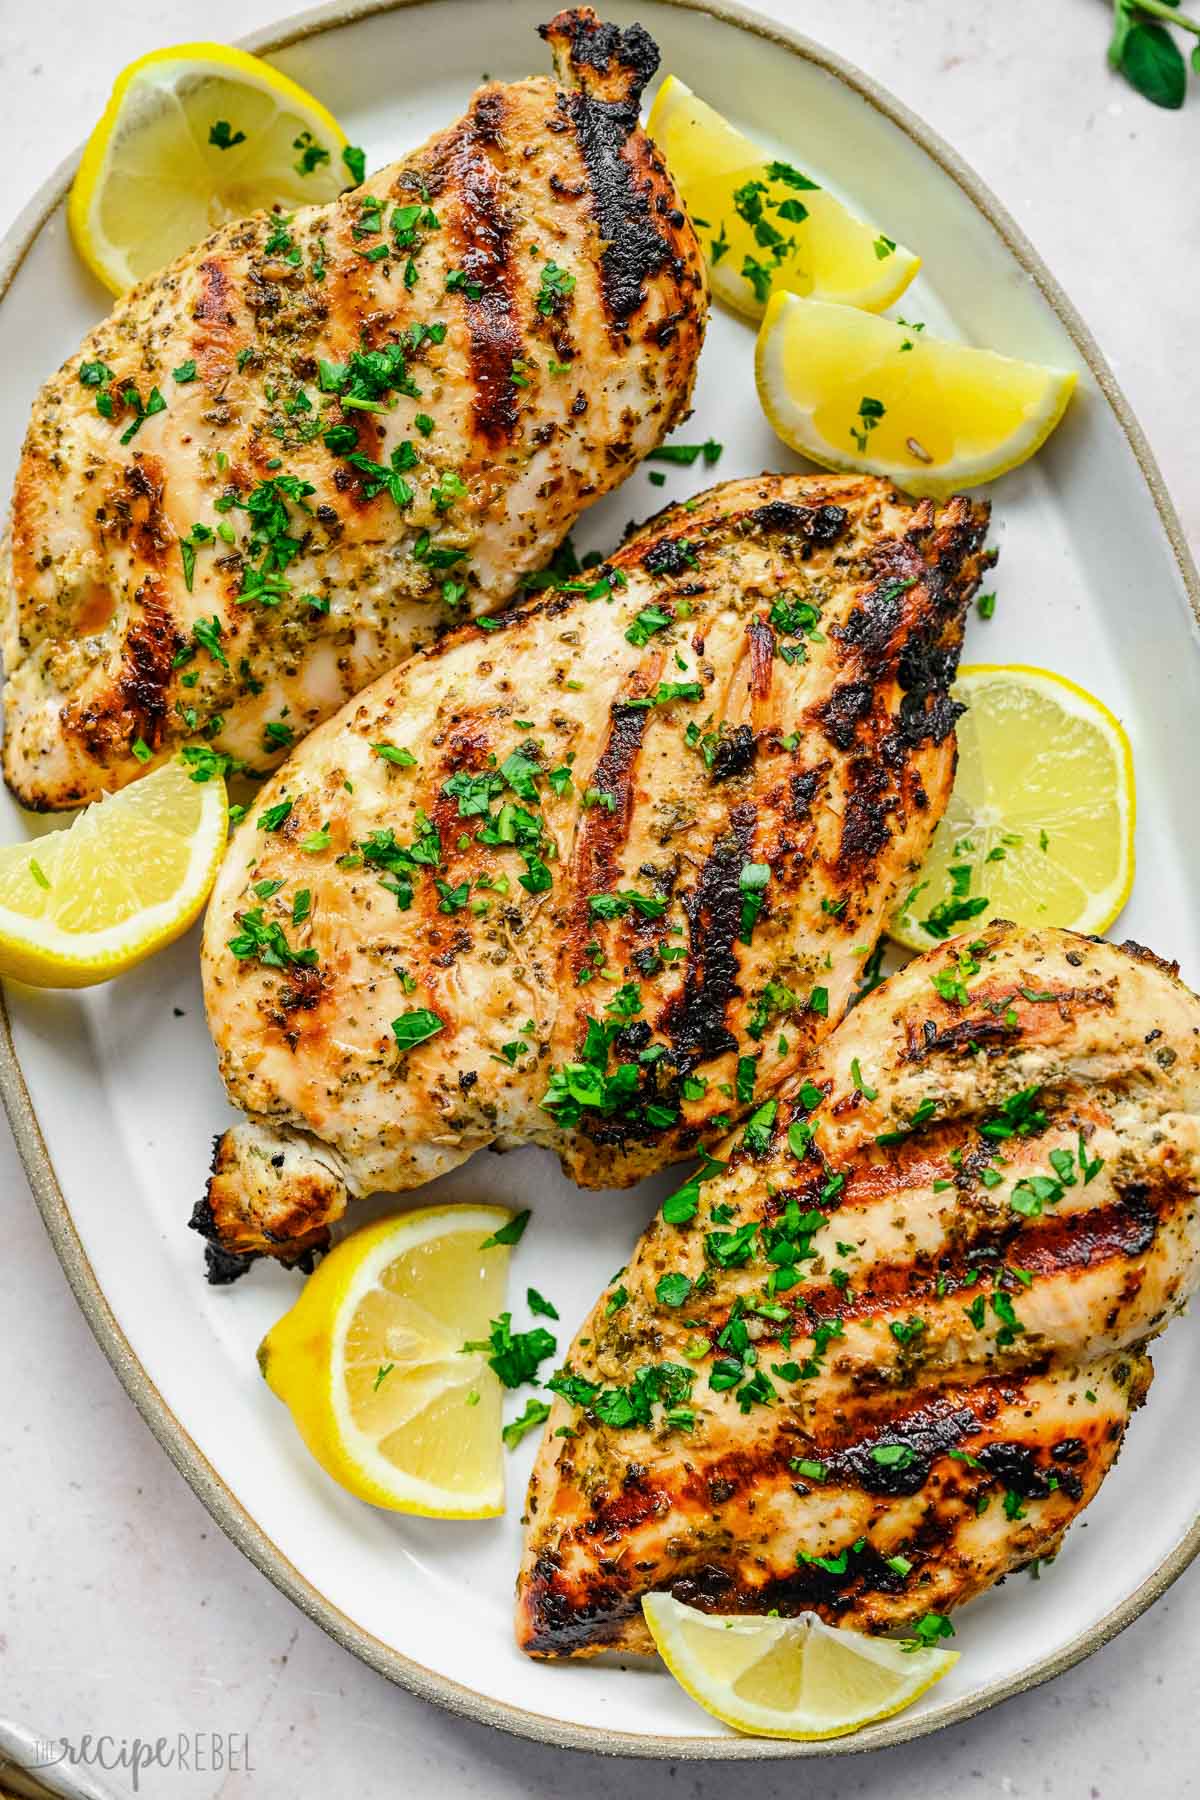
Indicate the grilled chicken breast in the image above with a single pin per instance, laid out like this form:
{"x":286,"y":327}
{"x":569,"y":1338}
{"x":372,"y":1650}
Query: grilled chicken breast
{"x":289,"y":458}
{"x":889,"y":1353}
{"x":586,"y":878}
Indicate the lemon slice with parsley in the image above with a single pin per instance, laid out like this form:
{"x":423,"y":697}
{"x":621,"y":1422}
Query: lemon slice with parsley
{"x":193,"y":136}
{"x":382,"y":1362}
{"x":880,"y":396}
{"x":128,"y":876}
{"x":765,"y":224}
{"x":793,"y":1678}
{"x":1040,"y":824}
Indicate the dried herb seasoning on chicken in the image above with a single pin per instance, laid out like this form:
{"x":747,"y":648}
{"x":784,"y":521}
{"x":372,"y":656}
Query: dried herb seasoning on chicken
{"x":884,"y":1353}
{"x":401,"y":403}
{"x":599,"y":878}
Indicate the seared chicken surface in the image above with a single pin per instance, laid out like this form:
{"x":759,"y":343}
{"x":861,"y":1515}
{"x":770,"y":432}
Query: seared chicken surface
{"x":590,"y":877}
{"x":890,"y":1352}
{"x":293,"y":455}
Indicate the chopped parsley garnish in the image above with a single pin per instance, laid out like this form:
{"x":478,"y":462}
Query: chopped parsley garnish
{"x":870,"y":412}
{"x":833,"y":1565}
{"x":416,"y":1027}
{"x":272,"y":818}
{"x":687,"y":454}
{"x":395,"y":754}
{"x":536,"y":1413}
{"x":673,"y":1289}
{"x":1018,"y":1116}
{"x":222,"y":135}
{"x":681,"y":1207}
{"x":927,"y":1631}
{"x":206,"y":633}
{"x":452,"y":899}
{"x":555,"y":286}
{"x":448,"y":488}
{"x":514,"y":1355}
{"x":457,"y":282}
{"x":810,"y":1469}
{"x":942,"y":918}
{"x":512,"y":1233}
{"x":856,"y":1076}
{"x":613,"y":906}
{"x":271,"y":538}
{"x":400,"y":861}
{"x":198,"y":535}
{"x":756,"y":1139}
{"x":894,"y":1456}
{"x":389,"y":478}
{"x":924,"y":1112}
{"x":752,"y":884}
{"x":204,"y":763}
{"x":647,"y":622}
{"x":667,"y":692}
{"x":265,"y":942}
{"x":312,"y":154}
{"x":794,"y":618}
{"x":143,"y":410}
{"x":1010,"y":1326}
{"x":367,"y":378}
{"x":665,"y":1384}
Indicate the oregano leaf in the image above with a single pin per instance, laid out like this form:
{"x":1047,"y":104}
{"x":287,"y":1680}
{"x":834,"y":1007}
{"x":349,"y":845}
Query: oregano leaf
{"x":1122,"y":26}
{"x":1152,"y":62}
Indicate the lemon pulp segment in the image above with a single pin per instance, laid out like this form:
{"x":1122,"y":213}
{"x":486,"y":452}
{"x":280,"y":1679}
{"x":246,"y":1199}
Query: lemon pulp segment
{"x":1040,"y":823}
{"x":765,"y":225}
{"x":858,"y":393}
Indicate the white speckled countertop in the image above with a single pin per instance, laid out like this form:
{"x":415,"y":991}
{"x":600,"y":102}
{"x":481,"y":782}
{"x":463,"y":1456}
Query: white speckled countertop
{"x":123,"y":1610}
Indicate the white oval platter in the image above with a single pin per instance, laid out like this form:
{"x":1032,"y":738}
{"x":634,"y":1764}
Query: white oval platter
{"x":114,"y":1097}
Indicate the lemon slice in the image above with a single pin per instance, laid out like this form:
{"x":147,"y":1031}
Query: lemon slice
{"x":854,"y":392}
{"x":789,"y":1678}
{"x":370,"y":1363}
{"x":764,"y":224}
{"x":190,"y":137}
{"x":1040,"y":822}
{"x":129,"y":875}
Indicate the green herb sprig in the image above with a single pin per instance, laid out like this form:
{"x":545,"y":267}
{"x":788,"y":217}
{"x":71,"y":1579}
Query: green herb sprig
{"x":1143,"y":50}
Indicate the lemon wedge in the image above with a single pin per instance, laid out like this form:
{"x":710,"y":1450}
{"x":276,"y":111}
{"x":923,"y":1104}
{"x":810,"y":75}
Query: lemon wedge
{"x":1039,"y":828}
{"x":789,"y":1678}
{"x":854,"y":392}
{"x":129,"y":875}
{"x":193,"y":136}
{"x":371,"y":1365}
{"x":764,"y":224}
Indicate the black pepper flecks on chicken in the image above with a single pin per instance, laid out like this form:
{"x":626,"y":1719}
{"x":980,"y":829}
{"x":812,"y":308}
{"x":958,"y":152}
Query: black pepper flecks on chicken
{"x":597,"y":879}
{"x":887,"y":1354}
{"x":293,"y":455}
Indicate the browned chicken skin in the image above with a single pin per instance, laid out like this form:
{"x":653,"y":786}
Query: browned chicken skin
{"x":607,"y":859}
{"x":890,"y":1353}
{"x":400,"y":404}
